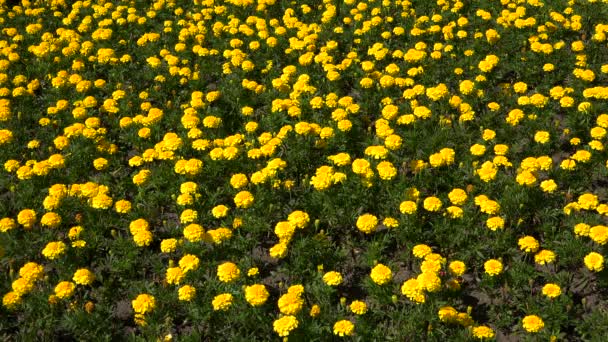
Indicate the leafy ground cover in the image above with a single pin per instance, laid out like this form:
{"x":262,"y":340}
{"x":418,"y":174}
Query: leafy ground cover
{"x":308,"y":171}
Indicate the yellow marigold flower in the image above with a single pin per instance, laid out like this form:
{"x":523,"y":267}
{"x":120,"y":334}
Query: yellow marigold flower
{"x":284,"y":325}
{"x":122,"y":206}
{"x":421,"y":251}
{"x":390,"y":222}
{"x":594,"y":262}
{"x":457,"y":196}
{"x":297,"y":289}
{"x":493,"y":267}
{"x":599,"y":234}
{"x":7,"y":224}
{"x":358,"y":307}
{"x":494,"y":223}
{"x":188,"y":216}
{"x":487,"y":172}
{"x":381,"y":274}
{"x":582,"y":229}
{"x":252,"y":272}
{"x":393,"y":142}
{"x":53,"y":250}
{"x":477,"y":150}
{"x":220,"y":211}
{"x":228,"y":272}
{"x":332,"y":278}
{"x":457,"y":268}
{"x":588,"y":201}
{"x":243,"y":199}
{"x":194,"y":232}
{"x":186,"y":293}
{"x":189,"y":262}
{"x":279,"y":250}
{"x":51,"y":220}
{"x":432,"y":204}
{"x":447,"y":314}
{"x":222,"y":302}
{"x":22,"y":286}
{"x":552,"y":290}
{"x":143,"y":238}
{"x":548,"y":185}
{"x":168,"y":245}
{"x":386,"y":170}
{"x":413,"y":291}
{"x":11,"y":300}
{"x":429,"y":281}
{"x":315,"y":311}
{"x":360,"y":166}
{"x":31,"y":271}
{"x":218,"y":236}
{"x":83,"y":277}
{"x":545,"y":256}
{"x":256,"y":294}
{"x":528,"y":244}
{"x":483,"y":332}
{"x":299,"y":219}
{"x":367,"y":223}
{"x":65,"y":289}
{"x":100,"y":164}
{"x":138,"y":225}
{"x":344,"y":328}
{"x":174,"y":275}
{"x":290,"y":303}
{"x":533,"y":323}
{"x":408,"y":207}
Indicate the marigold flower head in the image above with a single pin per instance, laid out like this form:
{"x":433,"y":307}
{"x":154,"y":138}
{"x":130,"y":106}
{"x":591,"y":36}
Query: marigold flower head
{"x":243,"y":199}
{"x":186,"y":293}
{"x":31,"y":271}
{"x":533,"y":323}
{"x":11,"y":300}
{"x":358,"y":307}
{"x":408,"y":207}
{"x":189,"y":262}
{"x":332,"y":278}
{"x":367,"y":223}
{"x":483,"y":332}
{"x":65,"y":289}
{"x":420,"y":251}
{"x":447,"y":314}
{"x":222,"y":302}
{"x":457,"y":268}
{"x":599,"y":234}
{"x":83,"y":277}
{"x":290,"y":303}
{"x":493,"y":267}
{"x":22,"y":286}
{"x":344,"y":328}
{"x":528,"y":244}
{"x":54,"y":249}
{"x":381,"y":274}
{"x":594,"y":262}
{"x":413,"y":291}
{"x":545,"y":256}
{"x":228,"y":272}
{"x":194,"y":232}
{"x":552,"y":290}
{"x":256,"y":294}
{"x":168,"y":245}
{"x":284,"y":325}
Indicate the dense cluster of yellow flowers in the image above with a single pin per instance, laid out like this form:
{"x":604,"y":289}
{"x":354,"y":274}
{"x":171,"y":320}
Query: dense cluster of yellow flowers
{"x":183,"y":143}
